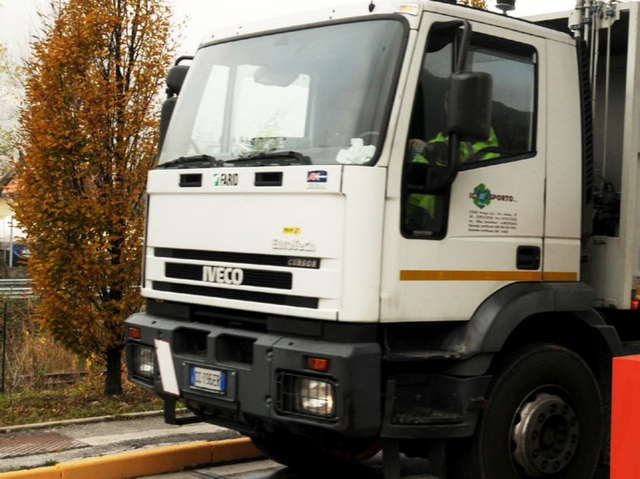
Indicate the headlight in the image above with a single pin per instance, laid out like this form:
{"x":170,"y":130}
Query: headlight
{"x":144,"y":362}
{"x":314,"y":397}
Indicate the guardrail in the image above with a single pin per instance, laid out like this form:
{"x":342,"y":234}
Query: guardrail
{"x":15,"y":288}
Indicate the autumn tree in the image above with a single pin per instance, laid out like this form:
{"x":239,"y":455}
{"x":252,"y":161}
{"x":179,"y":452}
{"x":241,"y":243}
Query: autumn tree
{"x":88,"y":137}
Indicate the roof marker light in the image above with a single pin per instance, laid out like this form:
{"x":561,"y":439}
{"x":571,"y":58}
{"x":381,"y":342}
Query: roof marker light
{"x":408,"y":8}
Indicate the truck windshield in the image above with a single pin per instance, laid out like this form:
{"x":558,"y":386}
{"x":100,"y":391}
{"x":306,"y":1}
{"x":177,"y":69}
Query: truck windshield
{"x":323,"y":93}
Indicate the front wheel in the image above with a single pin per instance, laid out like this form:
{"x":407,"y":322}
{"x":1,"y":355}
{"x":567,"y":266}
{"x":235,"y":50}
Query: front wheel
{"x":544,"y":418}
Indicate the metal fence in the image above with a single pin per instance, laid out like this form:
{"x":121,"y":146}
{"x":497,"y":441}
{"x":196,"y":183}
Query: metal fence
{"x":10,"y":289}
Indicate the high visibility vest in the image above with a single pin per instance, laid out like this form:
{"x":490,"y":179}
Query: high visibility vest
{"x":465,"y":146}
{"x":428,"y":202}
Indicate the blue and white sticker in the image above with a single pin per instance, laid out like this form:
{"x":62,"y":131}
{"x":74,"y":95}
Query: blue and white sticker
{"x":317,"y":179}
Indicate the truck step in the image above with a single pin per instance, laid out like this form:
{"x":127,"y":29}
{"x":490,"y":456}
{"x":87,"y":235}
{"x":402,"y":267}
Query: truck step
{"x":420,"y":355}
{"x":425,"y":415}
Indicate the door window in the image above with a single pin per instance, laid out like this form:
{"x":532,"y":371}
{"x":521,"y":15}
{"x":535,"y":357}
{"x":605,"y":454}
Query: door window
{"x":512,"y":136}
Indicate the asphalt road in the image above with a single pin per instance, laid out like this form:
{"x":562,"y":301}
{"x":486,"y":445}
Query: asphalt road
{"x":23,"y":447}
{"x":265,"y":469}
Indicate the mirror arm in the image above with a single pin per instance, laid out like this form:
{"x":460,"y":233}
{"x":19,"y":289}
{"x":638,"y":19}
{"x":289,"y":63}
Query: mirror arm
{"x":461,"y":61}
{"x":454,"y":159}
{"x":454,"y":140}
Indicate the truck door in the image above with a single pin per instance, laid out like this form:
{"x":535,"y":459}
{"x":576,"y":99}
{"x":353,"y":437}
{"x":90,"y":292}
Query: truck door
{"x":486,"y":230}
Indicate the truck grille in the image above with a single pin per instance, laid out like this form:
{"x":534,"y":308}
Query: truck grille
{"x":245,"y":258}
{"x":263,"y":279}
{"x":237,"y":294}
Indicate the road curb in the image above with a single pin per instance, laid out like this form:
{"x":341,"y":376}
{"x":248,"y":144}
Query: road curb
{"x":145,"y":462}
{"x":86,"y":420}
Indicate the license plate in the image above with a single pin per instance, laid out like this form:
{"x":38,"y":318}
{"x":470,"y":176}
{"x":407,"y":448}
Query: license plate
{"x":208,"y":379}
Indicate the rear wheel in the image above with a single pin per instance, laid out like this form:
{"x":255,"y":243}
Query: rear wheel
{"x":544,"y":418}
{"x":300,"y":451}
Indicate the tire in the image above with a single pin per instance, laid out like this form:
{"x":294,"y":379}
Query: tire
{"x":299,"y":451}
{"x":544,"y":418}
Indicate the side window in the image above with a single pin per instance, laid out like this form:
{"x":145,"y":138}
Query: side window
{"x":512,"y":67}
{"x":512,"y":136}
{"x":206,"y":136}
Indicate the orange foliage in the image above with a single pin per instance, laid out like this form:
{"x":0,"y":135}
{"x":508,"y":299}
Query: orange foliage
{"x":88,"y":137}
{"x":481,"y":4}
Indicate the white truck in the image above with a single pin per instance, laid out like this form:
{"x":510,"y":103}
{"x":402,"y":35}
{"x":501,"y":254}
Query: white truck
{"x":399,"y":226}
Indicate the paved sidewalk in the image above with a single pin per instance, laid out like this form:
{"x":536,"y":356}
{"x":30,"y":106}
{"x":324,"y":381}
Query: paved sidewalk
{"x":28,"y":447}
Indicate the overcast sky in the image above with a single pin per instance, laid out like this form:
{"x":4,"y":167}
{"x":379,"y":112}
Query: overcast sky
{"x":19,"y":20}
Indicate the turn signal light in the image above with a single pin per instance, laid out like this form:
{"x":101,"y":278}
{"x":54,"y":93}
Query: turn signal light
{"x":318,"y":364}
{"x":635,"y":302}
{"x":134,"y":333}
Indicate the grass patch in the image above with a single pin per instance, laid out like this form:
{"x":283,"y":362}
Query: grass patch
{"x":38,"y":373}
{"x":43,"y":382}
{"x":81,"y":400}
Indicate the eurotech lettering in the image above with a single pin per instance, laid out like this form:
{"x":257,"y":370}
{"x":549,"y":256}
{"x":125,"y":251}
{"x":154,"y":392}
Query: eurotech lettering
{"x":222,"y":275}
{"x":293,"y":244}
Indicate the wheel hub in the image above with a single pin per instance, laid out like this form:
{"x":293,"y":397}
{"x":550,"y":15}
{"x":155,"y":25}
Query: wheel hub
{"x":544,"y":435}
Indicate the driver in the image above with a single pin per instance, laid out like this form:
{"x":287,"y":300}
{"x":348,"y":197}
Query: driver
{"x":420,"y":211}
{"x":435,"y":151}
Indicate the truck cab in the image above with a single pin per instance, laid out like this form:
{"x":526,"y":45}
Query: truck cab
{"x":368,"y":229}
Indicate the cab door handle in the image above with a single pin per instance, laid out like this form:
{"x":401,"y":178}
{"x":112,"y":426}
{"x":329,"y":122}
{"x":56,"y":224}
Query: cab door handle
{"x":528,"y":257}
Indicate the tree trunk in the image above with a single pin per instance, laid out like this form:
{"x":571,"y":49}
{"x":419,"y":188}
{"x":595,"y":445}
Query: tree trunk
{"x":113,"y":380}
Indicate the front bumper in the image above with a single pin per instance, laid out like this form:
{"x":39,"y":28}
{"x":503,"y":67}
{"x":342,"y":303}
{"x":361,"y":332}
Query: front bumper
{"x":259,"y":372}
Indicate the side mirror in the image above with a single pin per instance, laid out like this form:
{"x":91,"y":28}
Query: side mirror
{"x":165,"y":118}
{"x":176,"y":76}
{"x":470,"y":104}
{"x":427,"y":179}
{"x":469,"y":119}
{"x":175,"y":79}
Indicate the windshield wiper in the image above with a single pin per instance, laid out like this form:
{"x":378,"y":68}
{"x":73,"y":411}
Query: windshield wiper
{"x":270,"y":158}
{"x":194,"y":161}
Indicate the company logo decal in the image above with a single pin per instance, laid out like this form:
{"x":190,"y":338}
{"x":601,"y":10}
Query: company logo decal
{"x":225,"y":179}
{"x":317,"y":177}
{"x":483,"y":197}
{"x":220,"y":274}
{"x":291,"y":230}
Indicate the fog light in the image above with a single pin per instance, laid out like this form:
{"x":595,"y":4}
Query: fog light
{"x":315,"y":397}
{"x":143,"y":362}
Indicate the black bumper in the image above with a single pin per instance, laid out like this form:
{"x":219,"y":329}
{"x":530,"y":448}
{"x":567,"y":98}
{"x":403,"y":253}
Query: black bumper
{"x":260,"y":369}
